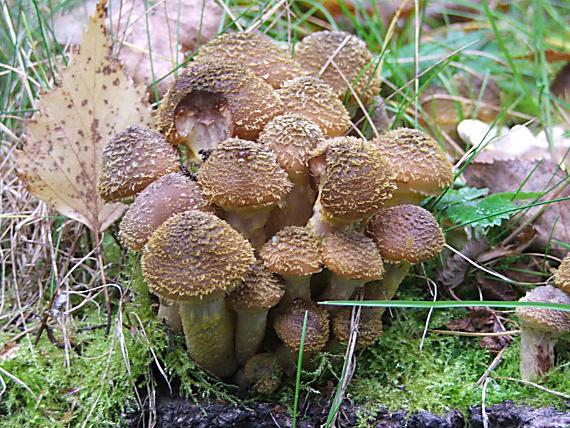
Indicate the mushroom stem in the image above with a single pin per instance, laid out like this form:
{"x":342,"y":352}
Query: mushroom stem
{"x":386,"y":288}
{"x":209,"y":333}
{"x":296,"y":287}
{"x":537,"y":353}
{"x":318,"y":223}
{"x":288,"y":359}
{"x":168,"y":314}
{"x":250,"y":331}
{"x":249,"y":222}
{"x":339,"y":289}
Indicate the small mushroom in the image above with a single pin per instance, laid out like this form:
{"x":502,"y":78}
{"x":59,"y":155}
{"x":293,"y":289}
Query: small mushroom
{"x":353,"y":260}
{"x":420,"y":165}
{"x":262,"y":374}
{"x":132,"y":160}
{"x":312,"y":98}
{"x":562,"y":279}
{"x":251,"y":301}
{"x":195,"y":259}
{"x":369,"y":327}
{"x":540,"y":330}
{"x":404,"y":235}
{"x":245,"y":180}
{"x":212,"y":101}
{"x":294,"y":253}
{"x":254,"y":51}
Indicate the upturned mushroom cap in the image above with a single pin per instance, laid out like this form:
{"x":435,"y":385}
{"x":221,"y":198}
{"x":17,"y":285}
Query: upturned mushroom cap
{"x":245,"y":100}
{"x":259,"y":290}
{"x":293,"y":251}
{"x":312,"y":98}
{"x":292,"y":137}
{"x":549,"y":320}
{"x":289,"y":326}
{"x":349,"y":54}
{"x":351,"y":255}
{"x":132,"y":160}
{"x":357,"y":179}
{"x":419,"y":163}
{"x":263,"y":372}
{"x":193,"y":255}
{"x":255,"y":51}
{"x":406,"y":233}
{"x":369,"y":327}
{"x":169,"y":195}
{"x":562,"y":279}
{"x":241,"y":173}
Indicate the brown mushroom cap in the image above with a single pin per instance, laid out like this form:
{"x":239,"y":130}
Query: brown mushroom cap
{"x":418,"y":161}
{"x":562,"y":280}
{"x":550,"y":320}
{"x":353,"y":60}
{"x":312,"y":98}
{"x":132,"y":160}
{"x":369,"y":327}
{"x":254,"y":51}
{"x":358,"y":179}
{"x":263,"y":372}
{"x":406,"y":233}
{"x":350,"y":254}
{"x":292,"y":137}
{"x":289,"y":326}
{"x":248,"y":102}
{"x":195,"y":254}
{"x":241,"y":173}
{"x":259,"y":290}
{"x":171,"y":194}
{"x":293,"y":250}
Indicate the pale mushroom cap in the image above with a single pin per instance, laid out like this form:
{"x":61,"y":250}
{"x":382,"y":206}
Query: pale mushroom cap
{"x":351,"y":255}
{"x":259,"y":290}
{"x":292,"y":137}
{"x":255,"y":51}
{"x":293,"y":251}
{"x":369,"y":327}
{"x":353,"y":60}
{"x":252,"y":102}
{"x":548,"y":320}
{"x":289,"y":326}
{"x":132,"y":160}
{"x":562,"y":279}
{"x":417,"y":159}
{"x":169,"y":195}
{"x":240,"y":173}
{"x":193,"y":255}
{"x":406,"y":233}
{"x":312,"y":98}
{"x":358,"y":180}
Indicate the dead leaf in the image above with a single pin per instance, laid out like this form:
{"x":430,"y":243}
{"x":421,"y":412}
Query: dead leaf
{"x":60,"y":160}
{"x":154,"y":37}
{"x":453,"y":272}
{"x":561,"y":85}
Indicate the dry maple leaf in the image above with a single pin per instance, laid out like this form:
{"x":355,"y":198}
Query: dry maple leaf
{"x":60,"y":160}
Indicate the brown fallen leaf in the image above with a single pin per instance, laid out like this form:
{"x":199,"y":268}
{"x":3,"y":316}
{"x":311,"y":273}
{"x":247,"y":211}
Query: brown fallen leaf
{"x":60,"y":160}
{"x":453,"y":272}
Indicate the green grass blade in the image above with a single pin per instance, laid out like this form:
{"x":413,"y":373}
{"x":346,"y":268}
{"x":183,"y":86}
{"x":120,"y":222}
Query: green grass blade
{"x":298,"y":374}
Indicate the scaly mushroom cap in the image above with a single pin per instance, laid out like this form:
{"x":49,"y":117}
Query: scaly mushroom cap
{"x":312,"y":98}
{"x":254,"y":51}
{"x":353,"y":61}
{"x":169,"y":195}
{"x":406,"y":233}
{"x":293,"y":250}
{"x":418,"y":161}
{"x":259,"y":290}
{"x":562,"y":279}
{"x":193,"y":255}
{"x":351,"y":255}
{"x":132,"y":160}
{"x":549,"y":320}
{"x":263,"y":372}
{"x":369,"y":327}
{"x":211,"y":89}
{"x":358,"y":179}
{"x":289,"y":326}
{"x":241,"y":173}
{"x":292,"y":138}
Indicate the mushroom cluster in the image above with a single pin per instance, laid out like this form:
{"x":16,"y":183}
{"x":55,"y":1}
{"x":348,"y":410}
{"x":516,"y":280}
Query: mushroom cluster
{"x":280,"y":193}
